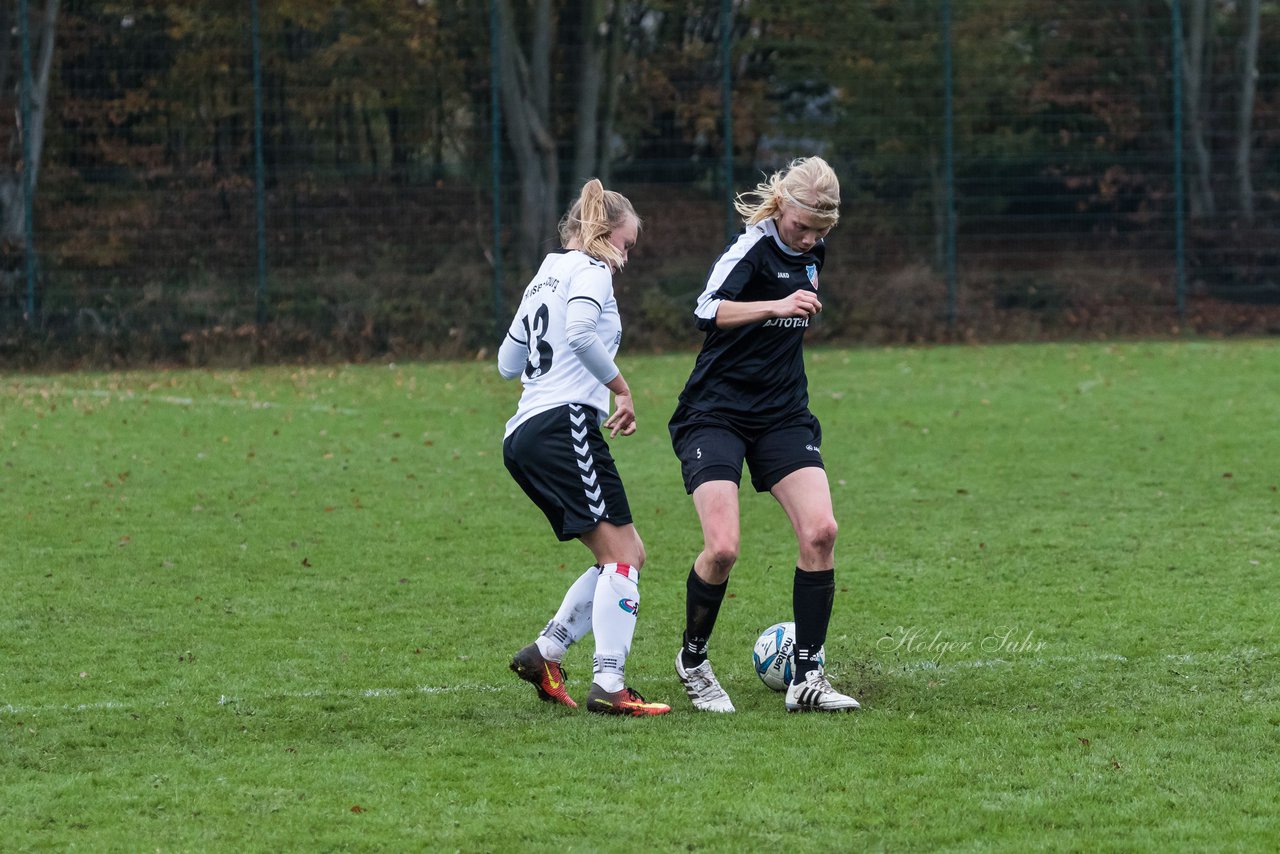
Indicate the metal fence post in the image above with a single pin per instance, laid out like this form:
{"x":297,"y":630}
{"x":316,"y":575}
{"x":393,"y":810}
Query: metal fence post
{"x":948,"y":159}
{"x":259,"y":169}
{"x":495,"y":156}
{"x":726,"y":106}
{"x":28,"y":174}
{"x":1180,"y":251}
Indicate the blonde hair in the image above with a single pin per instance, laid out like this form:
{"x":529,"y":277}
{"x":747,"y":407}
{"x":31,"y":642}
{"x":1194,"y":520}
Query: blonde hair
{"x":592,"y":218}
{"x":808,"y":184}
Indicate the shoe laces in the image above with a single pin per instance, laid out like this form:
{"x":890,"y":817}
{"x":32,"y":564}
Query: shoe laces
{"x":547,"y":666}
{"x":705,"y":682}
{"x":632,"y":695}
{"x":818,"y":680}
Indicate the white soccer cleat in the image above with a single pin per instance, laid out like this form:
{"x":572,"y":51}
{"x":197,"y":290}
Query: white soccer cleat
{"x":703,"y":688}
{"x":815,"y":694}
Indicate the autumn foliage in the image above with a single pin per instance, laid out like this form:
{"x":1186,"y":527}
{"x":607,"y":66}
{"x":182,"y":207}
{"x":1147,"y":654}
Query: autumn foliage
{"x":377,"y":169}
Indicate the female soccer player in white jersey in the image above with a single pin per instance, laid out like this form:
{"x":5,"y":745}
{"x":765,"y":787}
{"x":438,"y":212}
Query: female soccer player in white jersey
{"x":561,"y":344}
{"x":747,"y":399}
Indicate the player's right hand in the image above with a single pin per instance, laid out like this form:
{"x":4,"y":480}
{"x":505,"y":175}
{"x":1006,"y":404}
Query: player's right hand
{"x":799,"y":304}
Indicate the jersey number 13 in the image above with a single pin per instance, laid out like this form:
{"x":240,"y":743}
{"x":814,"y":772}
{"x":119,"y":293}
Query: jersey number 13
{"x":540,"y":353}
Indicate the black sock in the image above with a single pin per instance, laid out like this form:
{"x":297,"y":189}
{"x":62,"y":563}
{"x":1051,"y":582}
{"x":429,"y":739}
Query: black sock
{"x":701,"y":606}
{"x":812,"y":596}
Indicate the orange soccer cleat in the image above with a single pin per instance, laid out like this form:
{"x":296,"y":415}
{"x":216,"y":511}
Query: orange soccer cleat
{"x":545,"y":675}
{"x":624,"y":702}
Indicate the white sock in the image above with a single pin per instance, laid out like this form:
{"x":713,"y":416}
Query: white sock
{"x":613,"y":618}
{"x":572,"y":622}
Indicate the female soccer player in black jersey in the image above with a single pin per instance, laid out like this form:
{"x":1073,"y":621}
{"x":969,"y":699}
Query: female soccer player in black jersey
{"x":561,"y":344}
{"x":747,"y":399}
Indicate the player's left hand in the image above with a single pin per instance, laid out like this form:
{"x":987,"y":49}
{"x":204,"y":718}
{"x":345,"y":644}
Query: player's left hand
{"x":623,"y":419}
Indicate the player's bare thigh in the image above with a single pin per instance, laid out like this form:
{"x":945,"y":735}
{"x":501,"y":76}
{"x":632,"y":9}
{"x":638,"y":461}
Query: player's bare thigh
{"x":611,"y":543}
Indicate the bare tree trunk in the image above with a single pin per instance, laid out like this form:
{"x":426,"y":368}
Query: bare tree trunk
{"x":526,"y":98}
{"x":586,"y":154}
{"x":370,"y":137}
{"x":540,"y":56}
{"x":1248,"y":94}
{"x":1195,"y":73}
{"x":12,"y":207}
{"x":438,"y":118}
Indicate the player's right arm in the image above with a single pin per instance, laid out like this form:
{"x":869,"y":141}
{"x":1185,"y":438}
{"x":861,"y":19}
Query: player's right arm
{"x":721,"y":305}
{"x":514,"y":352}
{"x":730,"y":314}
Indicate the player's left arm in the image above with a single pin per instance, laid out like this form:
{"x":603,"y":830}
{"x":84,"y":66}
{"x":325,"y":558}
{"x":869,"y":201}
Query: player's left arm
{"x":623,"y":419}
{"x":582,"y":315}
{"x":580,"y":329}
{"x":587,"y":296}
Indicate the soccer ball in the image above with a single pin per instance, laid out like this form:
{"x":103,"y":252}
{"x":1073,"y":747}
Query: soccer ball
{"x":772,"y":655}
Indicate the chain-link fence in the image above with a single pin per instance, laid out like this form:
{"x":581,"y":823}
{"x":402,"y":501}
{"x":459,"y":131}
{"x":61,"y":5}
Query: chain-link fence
{"x":208,"y":182}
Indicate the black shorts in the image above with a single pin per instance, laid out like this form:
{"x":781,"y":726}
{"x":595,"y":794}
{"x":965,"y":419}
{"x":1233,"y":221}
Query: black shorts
{"x":561,"y":461}
{"x":713,"y":448}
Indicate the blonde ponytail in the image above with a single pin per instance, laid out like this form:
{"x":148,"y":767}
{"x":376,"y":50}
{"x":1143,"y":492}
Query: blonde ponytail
{"x":592,"y":218}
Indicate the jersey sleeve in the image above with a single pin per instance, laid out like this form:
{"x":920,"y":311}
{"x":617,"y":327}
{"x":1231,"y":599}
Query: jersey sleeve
{"x":512,"y":354}
{"x":728,"y":278}
{"x":588,"y":292}
{"x":514,"y":350}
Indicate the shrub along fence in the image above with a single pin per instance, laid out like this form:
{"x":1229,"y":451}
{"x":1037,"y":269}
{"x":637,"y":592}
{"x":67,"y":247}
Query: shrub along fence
{"x":369,"y":180}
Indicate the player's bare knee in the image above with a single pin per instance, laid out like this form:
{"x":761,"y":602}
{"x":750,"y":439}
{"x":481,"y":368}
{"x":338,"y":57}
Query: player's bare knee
{"x":819,"y":537}
{"x":639,"y":556}
{"x":721,"y":558}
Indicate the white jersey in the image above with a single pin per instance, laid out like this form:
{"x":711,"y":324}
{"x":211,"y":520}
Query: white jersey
{"x":563,"y":337}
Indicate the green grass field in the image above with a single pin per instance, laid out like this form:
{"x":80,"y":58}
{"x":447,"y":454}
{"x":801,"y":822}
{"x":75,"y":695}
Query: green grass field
{"x":273,"y":610}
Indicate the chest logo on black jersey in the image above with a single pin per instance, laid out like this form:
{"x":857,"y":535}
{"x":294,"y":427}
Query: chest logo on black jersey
{"x":783,"y":274}
{"x":812,"y":271}
{"x":786,"y":323}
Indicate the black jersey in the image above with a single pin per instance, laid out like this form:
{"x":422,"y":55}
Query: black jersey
{"x":753,"y":375}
